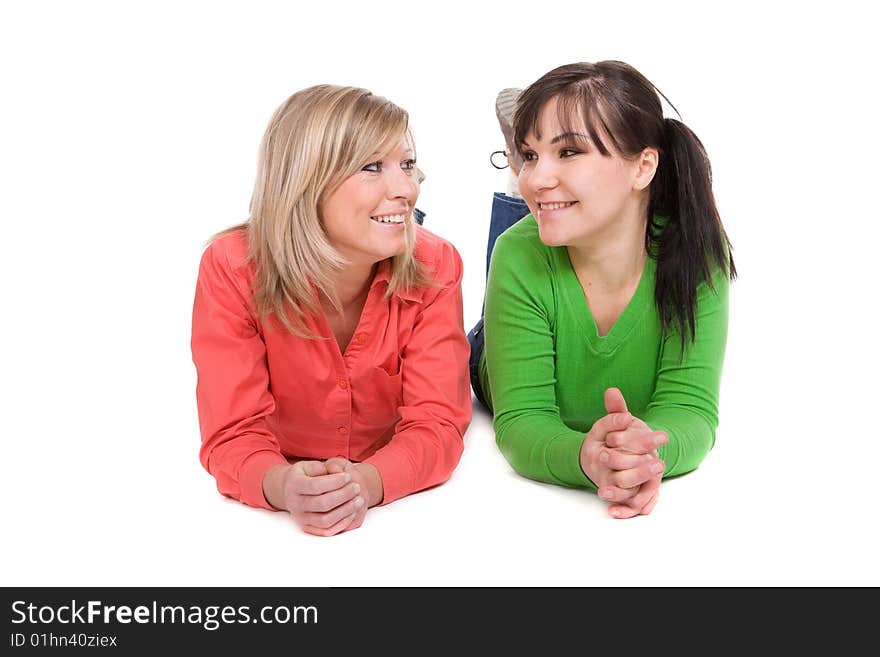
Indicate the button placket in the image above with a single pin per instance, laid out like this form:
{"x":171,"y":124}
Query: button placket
{"x":342,"y":430}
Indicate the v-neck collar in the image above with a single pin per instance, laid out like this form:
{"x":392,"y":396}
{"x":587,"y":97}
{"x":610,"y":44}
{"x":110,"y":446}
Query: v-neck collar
{"x":628,"y":319}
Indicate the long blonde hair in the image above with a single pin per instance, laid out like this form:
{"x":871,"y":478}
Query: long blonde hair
{"x":316,"y":139}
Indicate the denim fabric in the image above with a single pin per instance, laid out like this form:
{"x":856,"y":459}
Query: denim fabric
{"x":476,"y":339}
{"x":506,"y":211}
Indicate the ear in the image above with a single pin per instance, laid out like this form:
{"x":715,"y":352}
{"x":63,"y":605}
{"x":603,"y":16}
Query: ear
{"x":646,"y":167}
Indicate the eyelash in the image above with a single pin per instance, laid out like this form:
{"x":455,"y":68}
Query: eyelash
{"x":406,"y":165}
{"x":529,"y":156}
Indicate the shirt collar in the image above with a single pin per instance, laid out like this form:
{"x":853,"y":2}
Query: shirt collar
{"x":383,"y":276}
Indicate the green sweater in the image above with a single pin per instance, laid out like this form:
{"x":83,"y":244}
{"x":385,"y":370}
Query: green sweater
{"x":545,"y":368}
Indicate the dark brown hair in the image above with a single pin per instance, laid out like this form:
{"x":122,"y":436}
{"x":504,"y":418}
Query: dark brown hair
{"x":684,"y":231}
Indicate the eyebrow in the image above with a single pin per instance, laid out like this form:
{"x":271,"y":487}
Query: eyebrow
{"x":379,"y":156}
{"x":569,"y":135}
{"x":558,"y":138}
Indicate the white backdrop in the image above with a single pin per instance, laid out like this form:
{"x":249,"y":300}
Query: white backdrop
{"x":128,"y":135}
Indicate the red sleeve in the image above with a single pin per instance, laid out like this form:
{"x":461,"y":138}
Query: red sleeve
{"x":436,"y":407}
{"x":232,"y":389}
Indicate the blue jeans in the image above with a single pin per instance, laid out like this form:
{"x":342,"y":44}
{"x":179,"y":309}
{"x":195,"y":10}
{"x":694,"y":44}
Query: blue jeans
{"x":506,"y":211}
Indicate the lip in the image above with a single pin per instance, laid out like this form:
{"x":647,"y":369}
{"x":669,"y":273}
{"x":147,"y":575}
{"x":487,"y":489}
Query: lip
{"x":546,"y":213}
{"x":396,"y":220}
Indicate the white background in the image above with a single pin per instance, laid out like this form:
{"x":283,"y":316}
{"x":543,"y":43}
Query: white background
{"x":129,"y":134}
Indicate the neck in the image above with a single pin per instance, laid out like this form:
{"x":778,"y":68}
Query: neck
{"x":612,"y":261}
{"x":352,"y":284}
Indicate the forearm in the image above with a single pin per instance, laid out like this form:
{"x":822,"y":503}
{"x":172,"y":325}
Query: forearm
{"x":691,"y":438}
{"x":686,"y":393}
{"x":239,"y":467}
{"x":418,"y":457}
{"x":539,"y":446}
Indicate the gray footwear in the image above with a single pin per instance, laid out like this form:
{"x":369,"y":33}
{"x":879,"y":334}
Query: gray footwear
{"x":505,"y":106}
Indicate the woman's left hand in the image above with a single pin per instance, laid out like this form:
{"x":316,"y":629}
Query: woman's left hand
{"x":633,"y":449}
{"x":364,"y":474}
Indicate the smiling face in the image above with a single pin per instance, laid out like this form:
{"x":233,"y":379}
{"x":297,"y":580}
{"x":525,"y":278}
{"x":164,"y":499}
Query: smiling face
{"x":365,"y":217}
{"x":577,"y":195}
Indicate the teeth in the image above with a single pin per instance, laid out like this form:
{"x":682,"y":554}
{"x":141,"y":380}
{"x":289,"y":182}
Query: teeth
{"x":390,"y":219}
{"x":555,"y":206}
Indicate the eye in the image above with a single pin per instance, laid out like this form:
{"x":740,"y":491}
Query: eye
{"x":375,"y":167}
{"x":528,"y":156}
{"x":569,"y":152}
{"x":408,"y":165}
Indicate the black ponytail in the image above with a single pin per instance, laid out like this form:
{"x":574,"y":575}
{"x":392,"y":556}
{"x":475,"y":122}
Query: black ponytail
{"x":685,"y":233}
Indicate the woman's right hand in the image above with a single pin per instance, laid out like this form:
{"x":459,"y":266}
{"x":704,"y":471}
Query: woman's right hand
{"x":619,"y":455}
{"x":632,"y":453}
{"x":321,"y":502}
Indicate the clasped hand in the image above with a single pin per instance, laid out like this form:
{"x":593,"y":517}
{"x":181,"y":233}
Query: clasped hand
{"x":620,"y":456}
{"x":328,"y":497}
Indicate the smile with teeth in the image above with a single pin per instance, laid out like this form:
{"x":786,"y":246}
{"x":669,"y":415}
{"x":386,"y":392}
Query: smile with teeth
{"x":389,"y":218}
{"x":556,"y":206}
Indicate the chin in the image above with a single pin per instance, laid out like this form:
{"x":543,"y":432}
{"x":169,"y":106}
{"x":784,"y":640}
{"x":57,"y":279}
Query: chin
{"x":390,"y":250}
{"x":551,"y":237}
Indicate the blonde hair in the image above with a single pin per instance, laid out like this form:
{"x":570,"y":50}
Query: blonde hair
{"x":316,"y":139}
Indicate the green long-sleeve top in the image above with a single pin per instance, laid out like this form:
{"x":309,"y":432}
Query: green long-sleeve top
{"x":545,"y":367}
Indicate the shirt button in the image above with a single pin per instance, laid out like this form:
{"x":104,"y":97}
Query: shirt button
{"x":343,"y":431}
{"x":360,"y":338}
{"x":343,"y":384}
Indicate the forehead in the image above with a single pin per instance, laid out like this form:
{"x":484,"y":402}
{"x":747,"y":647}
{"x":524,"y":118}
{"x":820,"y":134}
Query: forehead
{"x":573,"y":118}
{"x":556,"y":118}
{"x":399,"y":145}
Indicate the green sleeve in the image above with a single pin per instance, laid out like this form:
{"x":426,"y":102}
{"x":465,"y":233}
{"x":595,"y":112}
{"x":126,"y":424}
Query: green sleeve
{"x":520,"y":319}
{"x":685,"y":399}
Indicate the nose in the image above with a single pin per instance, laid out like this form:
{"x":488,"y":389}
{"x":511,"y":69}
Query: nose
{"x":402,"y":184}
{"x":541,"y":175}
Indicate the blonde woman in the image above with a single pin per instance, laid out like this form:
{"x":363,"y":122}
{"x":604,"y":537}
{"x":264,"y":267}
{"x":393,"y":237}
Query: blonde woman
{"x":327,"y":330}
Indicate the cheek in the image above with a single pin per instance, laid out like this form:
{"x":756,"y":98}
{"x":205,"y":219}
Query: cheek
{"x":524,"y":183}
{"x":606,"y":186}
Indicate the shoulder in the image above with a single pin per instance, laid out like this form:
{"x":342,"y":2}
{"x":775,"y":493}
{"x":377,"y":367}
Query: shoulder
{"x":520,"y":248}
{"x":715,"y":289}
{"x":227,"y":251}
{"x":521,"y":237}
{"x":225,"y":261}
{"x":440,"y":257}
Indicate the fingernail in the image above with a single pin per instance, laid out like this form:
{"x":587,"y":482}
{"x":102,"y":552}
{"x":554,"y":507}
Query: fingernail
{"x":359,"y":501}
{"x":657,"y":467}
{"x":659,"y":439}
{"x":357,"y":488}
{"x":615,"y":513}
{"x":603,"y":457}
{"x":347,"y":477}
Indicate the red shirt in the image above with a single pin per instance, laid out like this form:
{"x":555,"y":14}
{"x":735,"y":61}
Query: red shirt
{"x":398,"y":398}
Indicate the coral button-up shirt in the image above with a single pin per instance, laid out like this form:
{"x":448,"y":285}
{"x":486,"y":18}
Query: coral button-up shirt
{"x":398,"y":397}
